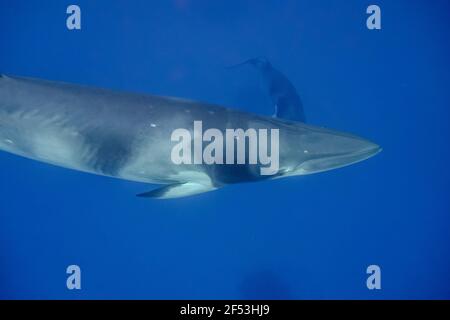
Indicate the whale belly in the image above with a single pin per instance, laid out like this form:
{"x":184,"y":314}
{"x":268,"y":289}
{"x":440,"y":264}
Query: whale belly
{"x":47,"y":138}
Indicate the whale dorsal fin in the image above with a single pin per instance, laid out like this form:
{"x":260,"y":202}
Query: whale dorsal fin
{"x":177,"y":190}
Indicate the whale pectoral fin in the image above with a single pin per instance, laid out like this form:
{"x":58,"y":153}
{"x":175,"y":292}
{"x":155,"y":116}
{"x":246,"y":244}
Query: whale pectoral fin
{"x":177,"y":190}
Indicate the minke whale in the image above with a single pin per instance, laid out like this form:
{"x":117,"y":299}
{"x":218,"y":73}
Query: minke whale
{"x":281,"y":91}
{"x":131,"y":136}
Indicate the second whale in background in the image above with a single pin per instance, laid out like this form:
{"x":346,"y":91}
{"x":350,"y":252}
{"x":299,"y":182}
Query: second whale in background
{"x":282,"y":92}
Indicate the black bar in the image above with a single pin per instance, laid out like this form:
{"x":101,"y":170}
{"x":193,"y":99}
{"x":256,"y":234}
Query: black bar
{"x":230,"y":309}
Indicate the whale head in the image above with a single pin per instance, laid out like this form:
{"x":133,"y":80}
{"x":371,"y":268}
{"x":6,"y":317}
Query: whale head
{"x":314,"y":149}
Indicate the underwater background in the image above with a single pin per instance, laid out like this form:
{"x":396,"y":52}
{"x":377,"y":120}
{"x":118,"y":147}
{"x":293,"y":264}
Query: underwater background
{"x":309,"y":237}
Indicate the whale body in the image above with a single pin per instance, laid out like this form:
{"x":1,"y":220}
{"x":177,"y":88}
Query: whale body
{"x":128,"y":136}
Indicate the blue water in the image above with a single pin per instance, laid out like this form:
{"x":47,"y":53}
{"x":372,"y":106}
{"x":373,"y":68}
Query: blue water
{"x":296,"y":238}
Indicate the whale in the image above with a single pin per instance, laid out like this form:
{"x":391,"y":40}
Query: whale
{"x":279,"y":88}
{"x":130,"y":136}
